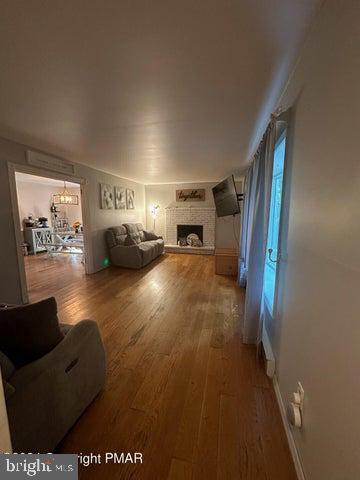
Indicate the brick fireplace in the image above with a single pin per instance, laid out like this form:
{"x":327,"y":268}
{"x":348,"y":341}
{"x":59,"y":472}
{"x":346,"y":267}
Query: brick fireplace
{"x":190,"y":216}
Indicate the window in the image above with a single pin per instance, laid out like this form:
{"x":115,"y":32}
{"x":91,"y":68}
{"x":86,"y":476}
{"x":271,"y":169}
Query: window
{"x":274,"y":223}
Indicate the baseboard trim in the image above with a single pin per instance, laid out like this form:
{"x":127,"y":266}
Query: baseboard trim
{"x":269,"y":356}
{"x":294,"y":452}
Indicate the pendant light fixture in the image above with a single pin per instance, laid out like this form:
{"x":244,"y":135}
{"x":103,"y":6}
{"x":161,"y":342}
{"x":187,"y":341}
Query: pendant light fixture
{"x":65,"y":198}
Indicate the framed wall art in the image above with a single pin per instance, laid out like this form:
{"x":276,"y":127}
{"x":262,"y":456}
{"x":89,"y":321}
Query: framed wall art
{"x":120,"y":198}
{"x":130,"y":199}
{"x":107,"y":196}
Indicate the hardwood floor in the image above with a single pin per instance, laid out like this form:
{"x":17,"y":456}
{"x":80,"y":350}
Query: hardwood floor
{"x":181,"y":387}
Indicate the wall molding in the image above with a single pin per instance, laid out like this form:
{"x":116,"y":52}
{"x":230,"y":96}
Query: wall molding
{"x":49,"y":162}
{"x":294,"y":451}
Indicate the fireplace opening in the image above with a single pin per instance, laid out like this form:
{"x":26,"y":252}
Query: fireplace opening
{"x":183,"y":232}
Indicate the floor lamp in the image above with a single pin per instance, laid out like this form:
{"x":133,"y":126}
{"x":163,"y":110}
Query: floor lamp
{"x":154,"y":209}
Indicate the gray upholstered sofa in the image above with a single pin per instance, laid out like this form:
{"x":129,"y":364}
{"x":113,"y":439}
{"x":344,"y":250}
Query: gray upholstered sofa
{"x":45,"y":397}
{"x":133,"y":247}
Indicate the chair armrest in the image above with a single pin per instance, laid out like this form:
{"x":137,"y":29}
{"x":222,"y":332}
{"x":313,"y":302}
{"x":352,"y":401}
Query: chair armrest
{"x":151,"y":235}
{"x":82,"y":338}
{"x":126,"y":256}
{"x":52,"y":392}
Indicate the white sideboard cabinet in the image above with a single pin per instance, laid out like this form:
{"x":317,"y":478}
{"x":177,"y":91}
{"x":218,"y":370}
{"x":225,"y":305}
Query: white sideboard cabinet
{"x":36,"y":238}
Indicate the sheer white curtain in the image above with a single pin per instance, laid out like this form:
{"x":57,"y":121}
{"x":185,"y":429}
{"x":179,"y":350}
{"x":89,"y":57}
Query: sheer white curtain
{"x":247,"y":217}
{"x":254,"y":233}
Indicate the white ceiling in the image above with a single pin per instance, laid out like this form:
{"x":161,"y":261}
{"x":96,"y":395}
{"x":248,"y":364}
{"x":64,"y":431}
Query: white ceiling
{"x":159,"y":91}
{"x":27,"y":178}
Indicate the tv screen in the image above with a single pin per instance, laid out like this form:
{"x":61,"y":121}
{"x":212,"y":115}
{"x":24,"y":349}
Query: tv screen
{"x":225,"y":197}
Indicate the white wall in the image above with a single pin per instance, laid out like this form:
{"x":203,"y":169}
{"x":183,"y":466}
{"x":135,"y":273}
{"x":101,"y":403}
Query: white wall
{"x":11,"y":152}
{"x":316,"y":338}
{"x":227,"y":229}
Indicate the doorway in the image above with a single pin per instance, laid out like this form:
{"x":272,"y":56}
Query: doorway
{"x":49,"y":219}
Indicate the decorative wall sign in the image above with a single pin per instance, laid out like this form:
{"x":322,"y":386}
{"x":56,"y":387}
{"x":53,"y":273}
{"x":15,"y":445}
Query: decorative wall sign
{"x":191,"y":195}
{"x":50,"y":163}
{"x":120,"y":198}
{"x":107,"y":196}
{"x":130,"y":199}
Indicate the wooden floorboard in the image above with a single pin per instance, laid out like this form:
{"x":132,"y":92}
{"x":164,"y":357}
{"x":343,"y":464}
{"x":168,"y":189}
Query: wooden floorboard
{"x":181,"y":387}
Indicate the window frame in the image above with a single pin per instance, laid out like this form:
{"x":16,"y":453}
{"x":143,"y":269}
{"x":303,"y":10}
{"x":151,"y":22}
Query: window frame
{"x":269,"y":303}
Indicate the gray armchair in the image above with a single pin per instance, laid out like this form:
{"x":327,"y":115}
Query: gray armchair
{"x":45,"y":398}
{"x":131,"y":246}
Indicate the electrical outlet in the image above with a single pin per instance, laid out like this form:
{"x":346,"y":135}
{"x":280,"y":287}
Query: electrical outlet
{"x":301,"y":393}
{"x":295,"y":410}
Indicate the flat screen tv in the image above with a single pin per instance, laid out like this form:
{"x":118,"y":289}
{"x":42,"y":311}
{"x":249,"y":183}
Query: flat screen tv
{"x":225,"y":197}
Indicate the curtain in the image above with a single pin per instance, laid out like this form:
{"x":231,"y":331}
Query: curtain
{"x":254,"y":233}
{"x":246,"y":228}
